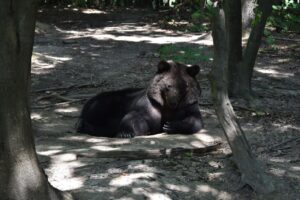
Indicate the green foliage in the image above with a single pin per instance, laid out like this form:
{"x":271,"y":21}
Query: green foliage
{"x":269,"y":38}
{"x":183,"y":54}
{"x":188,"y":154}
{"x":80,"y":3}
{"x":257,"y":18}
{"x":197,"y":15}
{"x":202,"y":11}
{"x":286,"y":16}
{"x":199,"y":27}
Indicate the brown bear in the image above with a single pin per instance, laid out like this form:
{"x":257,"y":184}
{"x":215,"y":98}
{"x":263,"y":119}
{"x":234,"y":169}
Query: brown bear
{"x":170,"y":104}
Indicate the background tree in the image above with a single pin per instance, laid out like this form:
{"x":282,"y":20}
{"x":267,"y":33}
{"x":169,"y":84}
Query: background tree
{"x":248,"y":14}
{"x":241,"y":65}
{"x":20,"y":175}
{"x":252,"y":172}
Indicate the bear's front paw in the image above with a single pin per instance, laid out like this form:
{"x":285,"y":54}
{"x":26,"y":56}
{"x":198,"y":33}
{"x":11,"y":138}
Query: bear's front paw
{"x":170,"y":127}
{"x":125,"y":135}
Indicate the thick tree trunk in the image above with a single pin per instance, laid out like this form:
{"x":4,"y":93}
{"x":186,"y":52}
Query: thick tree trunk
{"x":252,"y":172}
{"x":20,"y":175}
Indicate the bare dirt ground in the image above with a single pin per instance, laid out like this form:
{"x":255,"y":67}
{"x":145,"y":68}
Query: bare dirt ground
{"x":80,"y":53}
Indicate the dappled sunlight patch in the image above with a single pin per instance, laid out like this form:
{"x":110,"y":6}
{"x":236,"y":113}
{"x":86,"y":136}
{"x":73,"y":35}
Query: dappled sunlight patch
{"x":215,"y":175}
{"x":62,"y":179}
{"x":48,"y":152}
{"x":68,"y":184}
{"x":128,"y":179}
{"x":204,"y":136}
{"x":118,"y":141}
{"x":73,"y":34}
{"x":95,"y":140}
{"x":104,"y":148}
{"x":93,"y":11}
{"x":215,"y":164}
{"x":36,"y":116}
{"x":277,"y":171}
{"x":142,"y":167}
{"x":65,"y":157}
{"x":155,"y":196}
{"x":62,"y":169}
{"x":295,"y":168}
{"x":153,"y":39}
{"x":197,"y":143}
{"x":67,"y":110}
{"x":42,"y":148}
{"x":42,"y":63}
{"x":132,"y":32}
{"x":286,"y":127}
{"x":179,"y":188}
{"x":279,"y":160}
{"x":205,"y":190}
{"x":283,"y":60}
{"x":81,"y":138}
{"x":274,"y":73}
{"x":250,"y":127}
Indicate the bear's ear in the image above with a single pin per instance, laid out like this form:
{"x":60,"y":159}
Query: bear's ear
{"x":163,"y":66}
{"x":193,"y":70}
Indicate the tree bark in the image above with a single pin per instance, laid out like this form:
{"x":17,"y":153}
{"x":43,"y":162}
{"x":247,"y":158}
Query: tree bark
{"x":233,"y":19}
{"x":21,"y":177}
{"x":241,"y":66}
{"x":247,"y":13}
{"x":252,"y":172}
{"x":250,"y":54}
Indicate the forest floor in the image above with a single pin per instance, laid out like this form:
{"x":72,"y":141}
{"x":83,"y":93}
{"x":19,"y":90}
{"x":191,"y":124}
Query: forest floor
{"x":78,"y":53}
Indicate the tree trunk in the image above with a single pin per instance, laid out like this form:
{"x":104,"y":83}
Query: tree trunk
{"x":252,"y":172}
{"x":250,"y":54}
{"x":233,"y":19}
{"x":241,"y":67}
{"x":20,"y":175}
{"x":247,"y":13}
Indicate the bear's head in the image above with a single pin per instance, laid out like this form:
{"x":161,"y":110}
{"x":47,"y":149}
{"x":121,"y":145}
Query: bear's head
{"x":174,"y":85}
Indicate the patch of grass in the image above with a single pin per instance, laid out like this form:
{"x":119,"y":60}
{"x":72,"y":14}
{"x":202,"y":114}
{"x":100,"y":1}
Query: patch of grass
{"x":189,"y":55}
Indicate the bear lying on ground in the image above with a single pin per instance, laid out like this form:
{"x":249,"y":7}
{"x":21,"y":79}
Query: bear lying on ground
{"x":170,"y":104}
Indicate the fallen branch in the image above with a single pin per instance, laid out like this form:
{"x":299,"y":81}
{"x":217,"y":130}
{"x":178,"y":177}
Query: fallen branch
{"x":152,"y":154}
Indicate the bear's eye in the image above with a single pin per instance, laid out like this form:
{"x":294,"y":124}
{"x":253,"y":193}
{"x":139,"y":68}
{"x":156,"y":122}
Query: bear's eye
{"x":168,"y":87}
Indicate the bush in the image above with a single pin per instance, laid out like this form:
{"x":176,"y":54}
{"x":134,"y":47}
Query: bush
{"x":286,"y":16}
